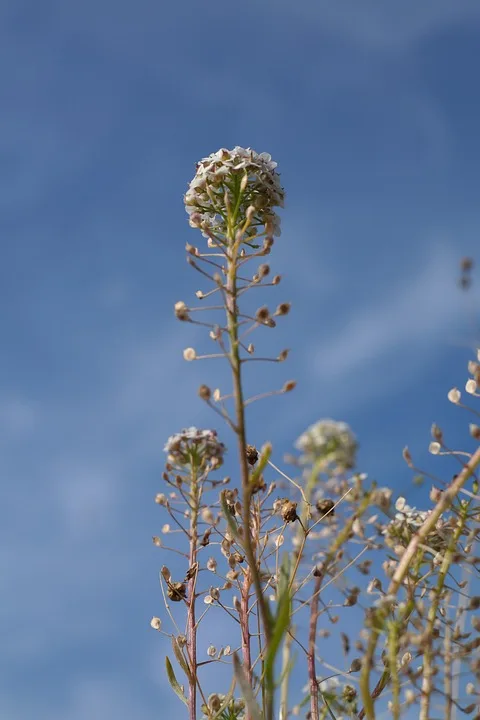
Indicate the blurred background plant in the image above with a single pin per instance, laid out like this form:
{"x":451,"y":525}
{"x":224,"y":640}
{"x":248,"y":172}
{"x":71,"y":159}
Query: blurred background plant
{"x":293,"y":559}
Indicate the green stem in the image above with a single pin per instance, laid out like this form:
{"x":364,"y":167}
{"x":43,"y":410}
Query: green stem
{"x":235,"y":361}
{"x":427,"y":687}
{"x":192,"y":630}
{"x":418,"y":539}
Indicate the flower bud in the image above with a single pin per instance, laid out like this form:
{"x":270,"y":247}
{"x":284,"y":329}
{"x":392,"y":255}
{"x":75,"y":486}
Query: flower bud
{"x":204,"y":392}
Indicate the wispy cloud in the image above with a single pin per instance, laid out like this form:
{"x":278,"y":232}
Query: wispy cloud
{"x":391,"y":26}
{"x":386,"y":340}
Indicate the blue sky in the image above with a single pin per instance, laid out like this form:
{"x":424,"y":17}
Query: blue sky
{"x":372,"y":113}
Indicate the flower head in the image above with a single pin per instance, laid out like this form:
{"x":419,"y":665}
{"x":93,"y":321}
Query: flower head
{"x":238,"y":181}
{"x":193,"y":446}
{"x":408,"y":520}
{"x":329,"y":440}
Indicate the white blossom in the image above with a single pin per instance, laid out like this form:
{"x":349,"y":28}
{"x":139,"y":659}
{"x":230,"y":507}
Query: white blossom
{"x":331,"y":440}
{"x":259,"y":186}
{"x":193,"y":445}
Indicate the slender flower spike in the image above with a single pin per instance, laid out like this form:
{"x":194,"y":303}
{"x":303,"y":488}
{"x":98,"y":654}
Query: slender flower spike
{"x":254,"y":180}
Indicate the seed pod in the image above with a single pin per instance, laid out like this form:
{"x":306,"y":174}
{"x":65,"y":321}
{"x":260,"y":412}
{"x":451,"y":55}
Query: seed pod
{"x":177,"y":591}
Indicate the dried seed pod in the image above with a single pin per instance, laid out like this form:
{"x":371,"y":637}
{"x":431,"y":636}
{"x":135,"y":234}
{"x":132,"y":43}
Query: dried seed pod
{"x":288,"y":511}
{"x":177,"y":591}
{"x":206,"y":537}
{"x":325,"y":506}
{"x":204,"y":392}
{"x":191,"y":572}
{"x":252,"y":454}
{"x":166,"y":574}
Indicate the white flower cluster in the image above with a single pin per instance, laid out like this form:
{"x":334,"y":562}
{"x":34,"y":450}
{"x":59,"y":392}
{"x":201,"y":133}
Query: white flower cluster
{"x":235,"y":708}
{"x":224,"y":171}
{"x":329,"y":440}
{"x":408,"y":520}
{"x":195,"y":446}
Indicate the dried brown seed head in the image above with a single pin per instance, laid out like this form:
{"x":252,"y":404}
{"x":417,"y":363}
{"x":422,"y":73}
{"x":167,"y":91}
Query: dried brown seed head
{"x":325,"y":506}
{"x":204,"y":392}
{"x":252,"y":454}
{"x":283,"y":308}
{"x":289,"y":511}
{"x":177,"y":591}
{"x":262,"y":314}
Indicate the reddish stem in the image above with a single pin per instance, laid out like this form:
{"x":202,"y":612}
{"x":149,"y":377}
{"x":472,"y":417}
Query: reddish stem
{"x":192,"y":630}
{"x":312,"y":634}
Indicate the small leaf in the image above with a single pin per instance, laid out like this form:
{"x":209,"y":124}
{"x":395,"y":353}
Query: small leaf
{"x":247,"y":693}
{"x":180,"y":658}
{"x":174,"y":683}
{"x":282,"y":618}
{"x":228,"y":515}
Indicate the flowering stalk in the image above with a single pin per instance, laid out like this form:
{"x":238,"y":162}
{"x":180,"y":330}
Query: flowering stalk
{"x":231,"y":199}
{"x":433,"y":612}
{"x":326,"y":444}
{"x":418,"y":539}
{"x":193,"y":571}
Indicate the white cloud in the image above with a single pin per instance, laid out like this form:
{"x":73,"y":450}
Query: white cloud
{"x":386,"y":26}
{"x":415,"y":313}
{"x":385,"y":344}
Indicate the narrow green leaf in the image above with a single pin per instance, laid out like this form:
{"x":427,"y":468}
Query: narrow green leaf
{"x":253,"y":709}
{"x":282,"y":618}
{"x":174,"y":683}
{"x":228,"y":515}
{"x":261,"y":464}
{"x":180,"y":658}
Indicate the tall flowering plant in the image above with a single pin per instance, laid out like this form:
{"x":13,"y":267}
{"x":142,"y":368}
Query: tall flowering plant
{"x":286,"y":557}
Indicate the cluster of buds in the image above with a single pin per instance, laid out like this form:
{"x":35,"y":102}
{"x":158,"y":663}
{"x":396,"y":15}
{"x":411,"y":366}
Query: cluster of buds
{"x":195,"y":447}
{"x":408,"y":520}
{"x":234,"y":709}
{"x":208,"y":198}
{"x":331,"y":441}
